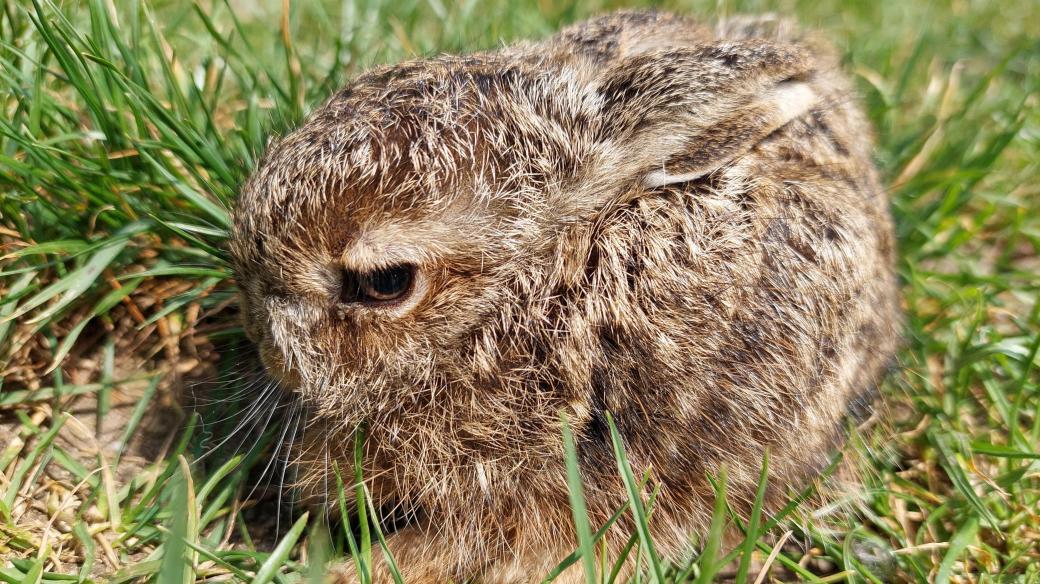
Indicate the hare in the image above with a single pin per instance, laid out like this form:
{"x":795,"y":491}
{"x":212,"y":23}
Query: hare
{"x":676,"y":224}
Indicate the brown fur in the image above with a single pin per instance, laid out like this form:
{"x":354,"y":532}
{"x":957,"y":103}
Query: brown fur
{"x":639,"y":216}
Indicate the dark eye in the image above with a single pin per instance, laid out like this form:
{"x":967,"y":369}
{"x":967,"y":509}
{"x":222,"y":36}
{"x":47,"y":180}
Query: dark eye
{"x":382,"y":285}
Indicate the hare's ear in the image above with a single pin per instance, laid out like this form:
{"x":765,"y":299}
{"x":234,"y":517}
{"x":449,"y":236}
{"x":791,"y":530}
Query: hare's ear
{"x":678,"y":115}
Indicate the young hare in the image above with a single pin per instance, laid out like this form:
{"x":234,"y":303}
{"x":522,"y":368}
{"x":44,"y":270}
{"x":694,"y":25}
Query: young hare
{"x":641,"y":215}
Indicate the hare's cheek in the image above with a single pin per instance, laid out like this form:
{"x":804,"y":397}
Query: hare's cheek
{"x":276,"y":364}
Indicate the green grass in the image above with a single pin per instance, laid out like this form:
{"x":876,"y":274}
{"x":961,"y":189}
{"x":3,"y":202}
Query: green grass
{"x":127,"y":127}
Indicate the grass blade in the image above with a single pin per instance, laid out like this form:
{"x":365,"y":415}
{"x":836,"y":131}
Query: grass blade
{"x":586,"y":545}
{"x":752,"y":531}
{"x":708,"y":562}
{"x":964,"y":536}
{"x":276,"y":561}
{"x":635,"y":504}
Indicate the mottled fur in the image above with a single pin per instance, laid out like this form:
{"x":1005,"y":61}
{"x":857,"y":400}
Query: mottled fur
{"x":641,"y":215}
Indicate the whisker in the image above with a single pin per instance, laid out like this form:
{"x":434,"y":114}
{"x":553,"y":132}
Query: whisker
{"x":295,"y":415}
{"x":267,"y":468}
{"x":268,"y":400}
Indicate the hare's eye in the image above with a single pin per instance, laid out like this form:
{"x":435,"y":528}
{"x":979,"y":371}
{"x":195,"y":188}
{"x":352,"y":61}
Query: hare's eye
{"x":378,"y":286}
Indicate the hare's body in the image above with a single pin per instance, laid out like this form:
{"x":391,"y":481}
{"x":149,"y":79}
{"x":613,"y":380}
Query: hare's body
{"x":640,"y":216}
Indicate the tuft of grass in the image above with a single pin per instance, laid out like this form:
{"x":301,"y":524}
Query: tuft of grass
{"x":127,"y":127}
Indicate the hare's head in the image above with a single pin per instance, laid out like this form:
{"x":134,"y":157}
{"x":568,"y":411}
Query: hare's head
{"x":411,"y":252}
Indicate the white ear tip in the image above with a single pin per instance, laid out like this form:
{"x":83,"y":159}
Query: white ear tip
{"x":659,"y":178}
{"x":792,"y":99}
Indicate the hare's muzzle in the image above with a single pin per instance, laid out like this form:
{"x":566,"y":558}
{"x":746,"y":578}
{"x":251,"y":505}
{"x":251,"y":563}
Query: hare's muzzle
{"x":276,"y":366}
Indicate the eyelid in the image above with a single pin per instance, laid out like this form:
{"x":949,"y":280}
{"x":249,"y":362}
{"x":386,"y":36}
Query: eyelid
{"x":375,"y":250}
{"x":383,"y":242}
